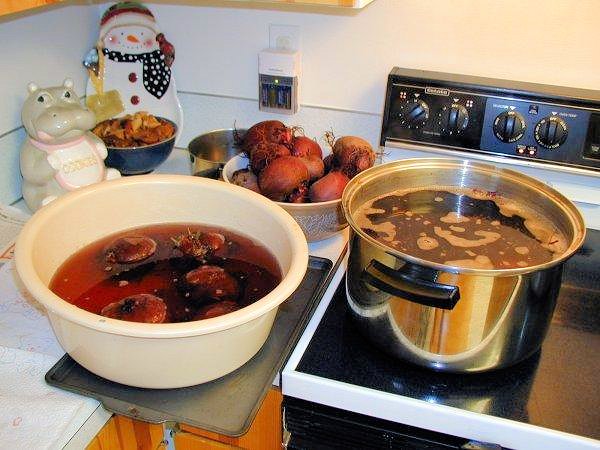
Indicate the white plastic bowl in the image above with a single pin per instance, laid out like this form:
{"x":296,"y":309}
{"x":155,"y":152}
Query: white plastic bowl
{"x":157,"y":355}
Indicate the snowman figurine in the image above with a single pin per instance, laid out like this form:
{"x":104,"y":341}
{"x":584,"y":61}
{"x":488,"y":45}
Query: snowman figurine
{"x":135,"y":61}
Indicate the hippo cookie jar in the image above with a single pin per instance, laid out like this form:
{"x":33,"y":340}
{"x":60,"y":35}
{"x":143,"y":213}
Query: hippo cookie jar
{"x":60,"y":153}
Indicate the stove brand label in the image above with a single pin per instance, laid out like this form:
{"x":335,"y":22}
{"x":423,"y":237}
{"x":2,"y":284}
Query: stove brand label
{"x":437,"y":91}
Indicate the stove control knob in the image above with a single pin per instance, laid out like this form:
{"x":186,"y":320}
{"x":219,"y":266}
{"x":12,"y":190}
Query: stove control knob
{"x":453,"y":119}
{"x":509,"y":126}
{"x":413,"y":114}
{"x":551,"y":132}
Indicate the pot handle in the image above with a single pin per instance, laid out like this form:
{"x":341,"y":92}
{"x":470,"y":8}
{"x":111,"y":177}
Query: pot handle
{"x":412,"y":282}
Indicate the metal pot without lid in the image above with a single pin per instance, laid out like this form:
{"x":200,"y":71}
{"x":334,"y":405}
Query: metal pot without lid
{"x":210,"y":151}
{"x":446,"y":317}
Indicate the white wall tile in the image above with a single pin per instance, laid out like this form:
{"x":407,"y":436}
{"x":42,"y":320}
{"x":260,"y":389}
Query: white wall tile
{"x":44,"y":46}
{"x":10,"y":175}
{"x":204,"y":113}
{"x":347,"y":54}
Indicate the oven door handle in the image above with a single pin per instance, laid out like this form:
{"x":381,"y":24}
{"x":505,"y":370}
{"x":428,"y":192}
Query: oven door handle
{"x":411,"y":282}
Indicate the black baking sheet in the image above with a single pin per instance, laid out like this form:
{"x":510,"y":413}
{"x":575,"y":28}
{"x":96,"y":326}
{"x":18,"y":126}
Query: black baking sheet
{"x":226,"y":405}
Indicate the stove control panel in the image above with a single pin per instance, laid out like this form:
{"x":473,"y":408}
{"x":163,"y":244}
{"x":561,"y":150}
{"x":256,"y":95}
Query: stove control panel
{"x":514,"y":119}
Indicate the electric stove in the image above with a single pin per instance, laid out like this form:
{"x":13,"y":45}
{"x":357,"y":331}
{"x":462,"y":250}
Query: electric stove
{"x":342,"y":392}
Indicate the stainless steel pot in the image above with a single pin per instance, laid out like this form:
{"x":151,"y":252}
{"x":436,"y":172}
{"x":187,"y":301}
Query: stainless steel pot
{"x":445,"y":317}
{"x":210,"y":151}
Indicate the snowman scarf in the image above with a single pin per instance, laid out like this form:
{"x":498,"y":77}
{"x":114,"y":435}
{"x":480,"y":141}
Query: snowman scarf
{"x":156,"y":73}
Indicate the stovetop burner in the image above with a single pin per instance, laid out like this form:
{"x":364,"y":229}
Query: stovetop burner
{"x":555,"y":388}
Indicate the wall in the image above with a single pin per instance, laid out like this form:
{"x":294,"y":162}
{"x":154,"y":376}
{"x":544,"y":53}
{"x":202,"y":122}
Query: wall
{"x":347,"y":54}
{"x":45,"y":46}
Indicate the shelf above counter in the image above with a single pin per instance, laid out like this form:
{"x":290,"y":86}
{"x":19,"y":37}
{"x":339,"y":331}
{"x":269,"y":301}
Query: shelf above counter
{"x":355,"y":4}
{"x":18,"y":6}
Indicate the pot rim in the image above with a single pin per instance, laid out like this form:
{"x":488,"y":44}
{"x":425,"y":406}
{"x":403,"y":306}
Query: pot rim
{"x":374,"y":172}
{"x":67,"y":311}
{"x":204,"y":136}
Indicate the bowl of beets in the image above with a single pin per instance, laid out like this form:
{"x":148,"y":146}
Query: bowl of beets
{"x":289,"y":168}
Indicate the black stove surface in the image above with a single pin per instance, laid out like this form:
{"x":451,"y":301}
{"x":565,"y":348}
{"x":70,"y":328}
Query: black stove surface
{"x":556,"y":388}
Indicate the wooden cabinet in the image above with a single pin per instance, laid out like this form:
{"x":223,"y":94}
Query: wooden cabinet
{"x":264,"y":434}
{"x":357,"y":4}
{"x":14,"y":6}
{"x":122,"y":433}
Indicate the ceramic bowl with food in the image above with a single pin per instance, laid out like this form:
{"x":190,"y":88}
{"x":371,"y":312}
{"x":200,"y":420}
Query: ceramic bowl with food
{"x":137,"y":144}
{"x":158,"y":355}
{"x":318,"y":221}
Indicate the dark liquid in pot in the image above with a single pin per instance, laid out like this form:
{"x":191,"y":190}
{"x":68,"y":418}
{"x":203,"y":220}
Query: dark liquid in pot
{"x":89,"y":281}
{"x":469,"y":229}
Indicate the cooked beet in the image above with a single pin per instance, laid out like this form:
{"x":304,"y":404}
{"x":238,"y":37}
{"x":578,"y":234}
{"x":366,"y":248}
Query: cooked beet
{"x":130,"y":249}
{"x":199,"y":245}
{"x":87,"y":281}
{"x":213,"y":282}
{"x":145,"y":308}
{"x":216,"y":309}
{"x":214,"y":240}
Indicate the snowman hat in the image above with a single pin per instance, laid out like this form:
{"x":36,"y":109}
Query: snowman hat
{"x":127,"y":13}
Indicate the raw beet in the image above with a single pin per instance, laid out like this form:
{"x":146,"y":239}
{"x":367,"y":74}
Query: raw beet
{"x":282,"y":176}
{"x":328,"y":163}
{"x":245,"y":178}
{"x":330,"y":187}
{"x":315,"y":166}
{"x":352,"y":155}
{"x":272,"y":131}
{"x":303,"y":146}
{"x":299,"y":195}
{"x":265,"y":152}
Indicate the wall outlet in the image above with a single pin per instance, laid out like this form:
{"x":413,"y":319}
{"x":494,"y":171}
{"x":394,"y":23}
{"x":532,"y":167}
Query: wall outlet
{"x":284,"y":37}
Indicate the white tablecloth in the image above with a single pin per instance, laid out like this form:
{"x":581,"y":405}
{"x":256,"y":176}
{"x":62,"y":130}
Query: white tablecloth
{"x":33,"y":415}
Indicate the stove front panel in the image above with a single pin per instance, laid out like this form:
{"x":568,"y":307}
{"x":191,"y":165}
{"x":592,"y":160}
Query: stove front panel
{"x":514,"y":120}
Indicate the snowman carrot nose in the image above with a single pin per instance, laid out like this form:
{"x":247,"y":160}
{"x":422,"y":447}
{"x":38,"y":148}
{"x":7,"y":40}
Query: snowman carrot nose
{"x":132,"y":38}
